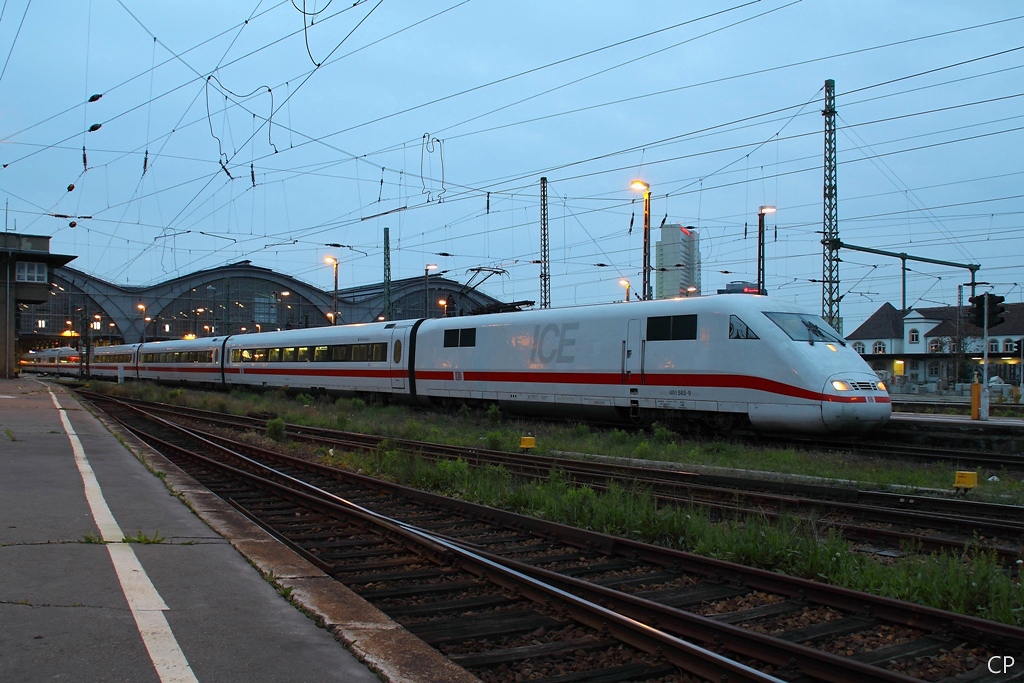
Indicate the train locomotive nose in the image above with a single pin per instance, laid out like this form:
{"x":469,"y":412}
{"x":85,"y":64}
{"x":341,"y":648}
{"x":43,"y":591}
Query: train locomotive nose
{"x":854,"y":402}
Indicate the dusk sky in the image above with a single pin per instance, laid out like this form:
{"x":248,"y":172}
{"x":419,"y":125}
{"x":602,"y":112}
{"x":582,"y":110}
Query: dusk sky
{"x":264,"y":131}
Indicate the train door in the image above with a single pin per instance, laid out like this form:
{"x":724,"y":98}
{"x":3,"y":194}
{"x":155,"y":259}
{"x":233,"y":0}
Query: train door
{"x":631,"y":351}
{"x":398,"y":358}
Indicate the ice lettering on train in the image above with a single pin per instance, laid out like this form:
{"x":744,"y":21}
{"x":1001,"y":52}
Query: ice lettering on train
{"x":554,"y":343}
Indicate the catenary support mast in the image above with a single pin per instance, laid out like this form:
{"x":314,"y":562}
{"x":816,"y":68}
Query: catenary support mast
{"x":830,"y":222}
{"x":545,"y":263}
{"x":387,"y":276}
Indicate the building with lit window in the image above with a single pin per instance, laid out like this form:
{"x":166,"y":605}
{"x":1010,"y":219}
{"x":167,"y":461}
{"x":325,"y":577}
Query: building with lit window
{"x":25,"y":267}
{"x":677,"y":262}
{"x":927,"y":350}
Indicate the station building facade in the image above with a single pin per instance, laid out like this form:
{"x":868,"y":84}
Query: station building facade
{"x":937,"y":350}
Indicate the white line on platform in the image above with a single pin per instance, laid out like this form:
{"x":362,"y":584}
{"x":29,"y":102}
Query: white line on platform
{"x":145,"y":602}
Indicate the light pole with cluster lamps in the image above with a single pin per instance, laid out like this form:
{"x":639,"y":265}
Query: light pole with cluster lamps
{"x":331,"y":260}
{"x":761,"y":213}
{"x":426,"y":288}
{"x":640,"y":185}
{"x":142,"y":310}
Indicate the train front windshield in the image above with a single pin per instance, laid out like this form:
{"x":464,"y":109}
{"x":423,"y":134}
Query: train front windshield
{"x":806,"y":328}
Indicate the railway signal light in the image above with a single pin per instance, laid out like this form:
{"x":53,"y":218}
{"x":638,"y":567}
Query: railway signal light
{"x":996,"y":310}
{"x":977,"y":312}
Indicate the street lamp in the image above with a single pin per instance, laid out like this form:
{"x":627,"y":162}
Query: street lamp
{"x":639,"y":186}
{"x":334,"y":262}
{"x":625,"y":283}
{"x":761,"y":212}
{"x":443,"y":302}
{"x":426,"y":288}
{"x":142,"y":309}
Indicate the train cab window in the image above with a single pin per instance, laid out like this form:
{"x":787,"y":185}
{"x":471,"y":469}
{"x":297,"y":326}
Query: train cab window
{"x":463,"y":337}
{"x":288,"y":355}
{"x":303,"y":355}
{"x":672,"y":328}
{"x":321,"y":354}
{"x":806,"y":328}
{"x":273,"y":355}
{"x":739,"y":330}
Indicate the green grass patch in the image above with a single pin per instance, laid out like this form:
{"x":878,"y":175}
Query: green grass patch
{"x":142,"y":538}
{"x":974,"y":584}
{"x":490,"y":428}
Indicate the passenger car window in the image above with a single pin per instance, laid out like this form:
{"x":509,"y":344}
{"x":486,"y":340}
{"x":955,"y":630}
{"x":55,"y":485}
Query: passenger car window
{"x":672,"y":328}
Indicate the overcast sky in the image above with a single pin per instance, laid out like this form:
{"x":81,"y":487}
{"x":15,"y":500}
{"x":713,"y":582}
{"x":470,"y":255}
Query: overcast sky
{"x":244,"y":130}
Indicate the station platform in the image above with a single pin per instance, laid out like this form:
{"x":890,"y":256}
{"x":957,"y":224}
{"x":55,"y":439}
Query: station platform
{"x":206,"y":603}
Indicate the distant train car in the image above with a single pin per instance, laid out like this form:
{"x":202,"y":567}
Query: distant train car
{"x":115,"y":362}
{"x":367,"y":358}
{"x":726,"y":361}
{"x":64,"y":361}
{"x":182,"y":361}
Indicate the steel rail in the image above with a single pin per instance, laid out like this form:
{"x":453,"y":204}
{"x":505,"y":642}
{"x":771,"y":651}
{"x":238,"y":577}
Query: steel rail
{"x":687,"y":656}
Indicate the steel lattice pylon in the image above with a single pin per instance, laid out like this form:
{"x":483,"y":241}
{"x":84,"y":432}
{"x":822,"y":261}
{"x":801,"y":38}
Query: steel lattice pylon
{"x":545,"y":272}
{"x":387,"y":276}
{"x":830,"y":222}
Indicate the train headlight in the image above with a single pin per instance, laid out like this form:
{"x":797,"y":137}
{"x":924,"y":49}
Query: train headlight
{"x":881,"y":386}
{"x":840,"y":385}
{"x":832,"y":348}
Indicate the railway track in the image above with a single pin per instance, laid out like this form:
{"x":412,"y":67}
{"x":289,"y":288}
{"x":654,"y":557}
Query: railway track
{"x":783,"y":627}
{"x":880,"y":521}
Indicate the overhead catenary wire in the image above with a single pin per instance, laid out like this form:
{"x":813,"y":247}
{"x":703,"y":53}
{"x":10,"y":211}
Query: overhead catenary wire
{"x":466,"y":185}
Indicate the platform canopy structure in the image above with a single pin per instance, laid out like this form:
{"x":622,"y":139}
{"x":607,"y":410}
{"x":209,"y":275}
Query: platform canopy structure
{"x":81,"y":310}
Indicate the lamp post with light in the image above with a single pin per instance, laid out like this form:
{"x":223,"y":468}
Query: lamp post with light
{"x":426,"y":288}
{"x":640,"y":185}
{"x":330,"y":260}
{"x":761,"y":213}
{"x":444,"y":303}
{"x":625,"y":283}
{"x":142,"y":310}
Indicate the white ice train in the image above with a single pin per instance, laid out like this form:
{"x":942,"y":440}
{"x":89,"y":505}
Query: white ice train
{"x":728,"y":360}
{"x":64,"y":361}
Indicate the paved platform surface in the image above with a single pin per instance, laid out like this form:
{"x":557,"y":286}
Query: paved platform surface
{"x":78,"y":603}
